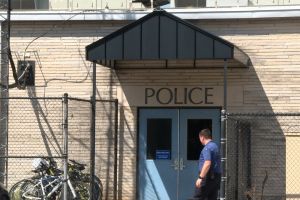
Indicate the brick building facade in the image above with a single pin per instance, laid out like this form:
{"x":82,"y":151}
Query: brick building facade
{"x":270,"y":84}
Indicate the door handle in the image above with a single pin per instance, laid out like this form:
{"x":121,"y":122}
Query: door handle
{"x":181,"y":164}
{"x":176,"y":164}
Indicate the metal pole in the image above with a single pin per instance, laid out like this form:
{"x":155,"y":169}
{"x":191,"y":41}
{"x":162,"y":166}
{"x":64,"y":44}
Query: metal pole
{"x":223,"y":138}
{"x":6,"y":105}
{"x":8,"y":22}
{"x":116,"y":150}
{"x":65,"y":136}
{"x":93,"y":133}
{"x":225,"y":84}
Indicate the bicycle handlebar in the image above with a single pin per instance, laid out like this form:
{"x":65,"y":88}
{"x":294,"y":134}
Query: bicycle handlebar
{"x":79,"y":165}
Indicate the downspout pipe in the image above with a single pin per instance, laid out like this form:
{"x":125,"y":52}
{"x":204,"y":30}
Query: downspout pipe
{"x":223,"y":137}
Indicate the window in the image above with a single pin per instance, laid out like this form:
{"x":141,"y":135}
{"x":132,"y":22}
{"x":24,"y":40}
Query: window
{"x":159,"y":137}
{"x":194,"y":146}
{"x":26,"y":4}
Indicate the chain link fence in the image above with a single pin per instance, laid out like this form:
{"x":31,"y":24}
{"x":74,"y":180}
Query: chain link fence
{"x":262,"y":149}
{"x":105,"y":141}
{"x":35,"y":129}
{"x":263,"y":153}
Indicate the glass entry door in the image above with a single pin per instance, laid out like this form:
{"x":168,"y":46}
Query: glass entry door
{"x":169,"y":149}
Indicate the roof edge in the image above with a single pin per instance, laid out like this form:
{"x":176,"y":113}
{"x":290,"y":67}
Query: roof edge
{"x":262,"y":12}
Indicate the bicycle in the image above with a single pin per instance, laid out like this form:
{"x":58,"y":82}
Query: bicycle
{"x":49,"y":182}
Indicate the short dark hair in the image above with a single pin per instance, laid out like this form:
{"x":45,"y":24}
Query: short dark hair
{"x":205,"y":133}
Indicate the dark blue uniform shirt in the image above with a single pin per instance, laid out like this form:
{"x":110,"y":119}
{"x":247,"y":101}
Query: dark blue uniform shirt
{"x":211,"y":152}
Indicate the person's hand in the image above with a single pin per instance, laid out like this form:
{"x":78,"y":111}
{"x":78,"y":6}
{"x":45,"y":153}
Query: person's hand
{"x":198,"y":183}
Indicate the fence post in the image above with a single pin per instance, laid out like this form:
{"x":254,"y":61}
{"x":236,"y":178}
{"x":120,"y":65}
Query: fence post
{"x":223,"y":138}
{"x":92,"y":150}
{"x":93,"y":134}
{"x":65,"y":150}
{"x":116,"y":150}
{"x":223,"y":155}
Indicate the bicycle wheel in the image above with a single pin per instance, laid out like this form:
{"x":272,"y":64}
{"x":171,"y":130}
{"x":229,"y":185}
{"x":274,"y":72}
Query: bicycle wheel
{"x":97,"y":186}
{"x":30,"y":190}
{"x":15,"y":193}
{"x":82,"y":192}
{"x":98,"y":189}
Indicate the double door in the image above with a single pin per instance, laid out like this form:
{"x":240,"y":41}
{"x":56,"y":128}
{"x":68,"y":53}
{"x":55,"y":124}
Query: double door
{"x":169,"y":149}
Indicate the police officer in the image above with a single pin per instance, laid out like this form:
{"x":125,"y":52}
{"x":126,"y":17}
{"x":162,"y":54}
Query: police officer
{"x":208,"y":181}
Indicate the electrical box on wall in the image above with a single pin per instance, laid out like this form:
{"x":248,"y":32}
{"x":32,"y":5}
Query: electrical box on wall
{"x":26,"y":72}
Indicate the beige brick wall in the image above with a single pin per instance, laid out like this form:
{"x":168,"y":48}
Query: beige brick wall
{"x":271,"y":84}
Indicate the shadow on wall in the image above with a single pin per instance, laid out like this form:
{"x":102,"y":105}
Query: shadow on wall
{"x":127,"y":152}
{"x":105,"y":133}
{"x":50,"y":140}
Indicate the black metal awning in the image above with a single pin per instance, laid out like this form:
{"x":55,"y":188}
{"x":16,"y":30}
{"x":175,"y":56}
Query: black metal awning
{"x":161,"y":39}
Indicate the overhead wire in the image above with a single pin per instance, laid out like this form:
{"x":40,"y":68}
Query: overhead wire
{"x":14,"y":71}
{"x":53,"y":27}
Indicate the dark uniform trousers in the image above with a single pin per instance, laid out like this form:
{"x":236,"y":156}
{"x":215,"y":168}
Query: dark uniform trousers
{"x":208,"y":191}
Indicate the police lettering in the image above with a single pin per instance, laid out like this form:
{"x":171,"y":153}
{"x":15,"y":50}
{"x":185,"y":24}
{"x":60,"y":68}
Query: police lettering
{"x":179,"y":96}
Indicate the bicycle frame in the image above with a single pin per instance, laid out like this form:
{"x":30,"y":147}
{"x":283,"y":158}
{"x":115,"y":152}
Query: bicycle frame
{"x":51,"y":181}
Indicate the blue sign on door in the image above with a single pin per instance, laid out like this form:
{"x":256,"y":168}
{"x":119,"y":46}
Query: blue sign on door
{"x":163,"y":155}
